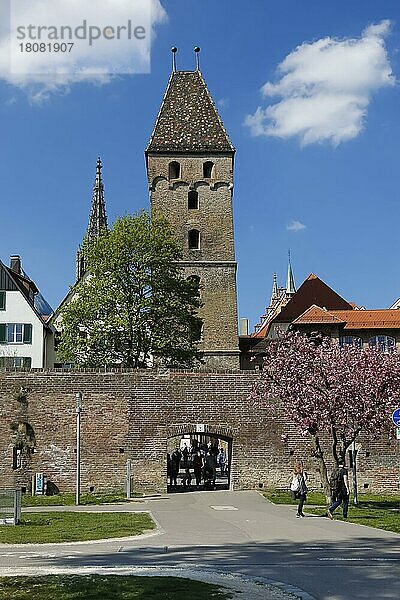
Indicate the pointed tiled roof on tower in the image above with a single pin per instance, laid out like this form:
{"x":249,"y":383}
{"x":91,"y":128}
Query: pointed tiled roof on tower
{"x":188,"y":120}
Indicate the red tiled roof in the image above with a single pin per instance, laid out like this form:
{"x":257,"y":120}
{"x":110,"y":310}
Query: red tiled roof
{"x":316,"y":314}
{"x":312,"y":291}
{"x":352,"y":319}
{"x":385,"y":318}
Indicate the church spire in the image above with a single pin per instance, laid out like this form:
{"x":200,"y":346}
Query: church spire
{"x":97,"y":219}
{"x":275,"y":293}
{"x":290,"y":285}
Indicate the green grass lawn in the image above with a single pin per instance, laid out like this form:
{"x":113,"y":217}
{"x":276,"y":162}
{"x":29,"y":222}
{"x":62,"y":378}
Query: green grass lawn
{"x":110,"y":587}
{"x":54,"y":527}
{"x":283,"y":497}
{"x":374,"y":510}
{"x":69,"y":499}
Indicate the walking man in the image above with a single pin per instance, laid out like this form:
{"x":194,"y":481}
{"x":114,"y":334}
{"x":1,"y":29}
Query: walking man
{"x":222,"y":461}
{"x":340,"y":490}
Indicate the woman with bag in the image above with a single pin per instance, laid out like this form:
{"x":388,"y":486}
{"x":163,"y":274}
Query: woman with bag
{"x":298,"y":487}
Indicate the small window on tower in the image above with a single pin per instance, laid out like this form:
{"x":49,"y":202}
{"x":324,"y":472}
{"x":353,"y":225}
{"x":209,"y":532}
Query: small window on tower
{"x":174,"y":170}
{"x":194,"y":239}
{"x":193,"y":200}
{"x":208,"y":169}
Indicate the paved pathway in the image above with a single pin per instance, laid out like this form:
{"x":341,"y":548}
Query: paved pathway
{"x":239,"y":533}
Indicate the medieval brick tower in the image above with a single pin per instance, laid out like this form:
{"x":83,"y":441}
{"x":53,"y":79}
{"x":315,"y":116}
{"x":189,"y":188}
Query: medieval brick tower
{"x":190,"y":173}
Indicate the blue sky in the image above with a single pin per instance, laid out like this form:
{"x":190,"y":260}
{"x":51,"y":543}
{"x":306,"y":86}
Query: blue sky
{"x":343,"y":185}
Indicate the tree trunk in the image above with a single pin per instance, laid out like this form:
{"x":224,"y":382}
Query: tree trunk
{"x":319,"y":455}
{"x":335,"y":446}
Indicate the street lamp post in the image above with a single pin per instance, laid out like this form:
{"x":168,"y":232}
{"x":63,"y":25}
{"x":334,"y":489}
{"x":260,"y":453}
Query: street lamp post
{"x":78,"y":398}
{"x":355,"y":490}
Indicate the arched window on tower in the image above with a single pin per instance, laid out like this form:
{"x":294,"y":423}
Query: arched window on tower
{"x":208,"y":169}
{"x":174,"y":170}
{"x":194,"y":239}
{"x":193,"y":200}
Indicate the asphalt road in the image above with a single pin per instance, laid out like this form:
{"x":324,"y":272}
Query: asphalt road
{"x":240,"y":533}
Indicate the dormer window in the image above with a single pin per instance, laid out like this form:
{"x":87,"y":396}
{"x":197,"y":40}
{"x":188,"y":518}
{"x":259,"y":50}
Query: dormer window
{"x":194,"y":239}
{"x":208,"y":169}
{"x":193,"y":200}
{"x":174,"y":170}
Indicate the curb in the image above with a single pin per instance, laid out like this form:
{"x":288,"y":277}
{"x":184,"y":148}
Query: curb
{"x":257,"y":587}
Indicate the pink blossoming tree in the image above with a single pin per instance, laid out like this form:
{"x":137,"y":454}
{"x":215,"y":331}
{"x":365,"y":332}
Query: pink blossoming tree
{"x":324,"y":389}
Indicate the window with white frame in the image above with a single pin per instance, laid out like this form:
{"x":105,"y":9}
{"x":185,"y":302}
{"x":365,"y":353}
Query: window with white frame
{"x":2,"y":300}
{"x":15,"y":333}
{"x":350,"y":340}
{"x":384,"y":343}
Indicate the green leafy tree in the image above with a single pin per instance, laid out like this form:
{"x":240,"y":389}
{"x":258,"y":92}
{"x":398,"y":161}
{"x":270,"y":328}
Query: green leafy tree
{"x":134,"y":303}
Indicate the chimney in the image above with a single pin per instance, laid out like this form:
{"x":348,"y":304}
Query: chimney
{"x":244,"y":327}
{"x":15,"y":264}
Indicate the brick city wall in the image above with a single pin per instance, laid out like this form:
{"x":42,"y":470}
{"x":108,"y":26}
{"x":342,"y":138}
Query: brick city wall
{"x":132,"y":415}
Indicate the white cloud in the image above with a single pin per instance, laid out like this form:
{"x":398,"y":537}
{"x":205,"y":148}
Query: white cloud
{"x":224,"y":102}
{"x":41,"y":74}
{"x":325,"y":88}
{"x":296,"y":226}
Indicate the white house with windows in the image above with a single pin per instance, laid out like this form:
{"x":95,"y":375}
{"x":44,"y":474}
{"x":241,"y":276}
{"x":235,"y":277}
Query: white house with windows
{"x":26,"y":339}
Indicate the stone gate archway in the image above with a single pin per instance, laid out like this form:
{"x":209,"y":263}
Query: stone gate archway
{"x":194,"y":443}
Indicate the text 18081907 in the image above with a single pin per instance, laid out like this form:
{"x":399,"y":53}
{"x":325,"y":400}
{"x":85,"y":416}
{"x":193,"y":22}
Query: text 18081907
{"x":46,"y":47}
